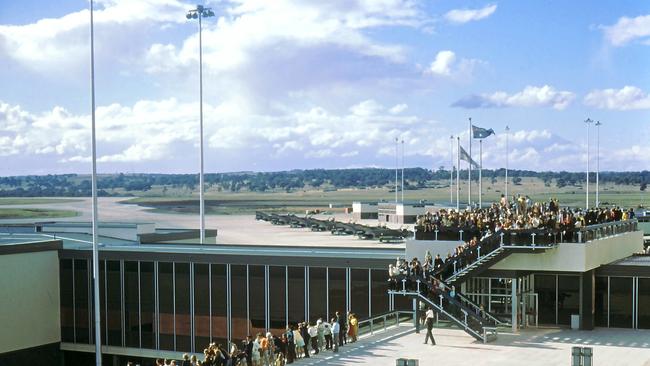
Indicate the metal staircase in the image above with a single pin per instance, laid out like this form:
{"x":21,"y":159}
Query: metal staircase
{"x":482,"y":329}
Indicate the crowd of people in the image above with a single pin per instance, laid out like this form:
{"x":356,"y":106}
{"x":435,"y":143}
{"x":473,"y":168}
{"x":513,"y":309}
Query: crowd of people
{"x":520,"y":213}
{"x":296,"y":342}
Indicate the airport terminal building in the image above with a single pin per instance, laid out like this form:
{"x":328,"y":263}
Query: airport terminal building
{"x":162,"y":294}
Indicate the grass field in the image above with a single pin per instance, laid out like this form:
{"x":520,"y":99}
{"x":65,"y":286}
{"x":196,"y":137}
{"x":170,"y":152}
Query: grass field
{"x":5,"y":201}
{"x":247,"y":202}
{"x":34,"y":213}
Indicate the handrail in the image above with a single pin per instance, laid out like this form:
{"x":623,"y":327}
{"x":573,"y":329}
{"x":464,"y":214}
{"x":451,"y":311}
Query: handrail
{"x":384,"y":317}
{"x":464,"y":324}
{"x":470,"y":231}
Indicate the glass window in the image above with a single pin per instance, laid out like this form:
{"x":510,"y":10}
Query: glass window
{"x":81,"y":299}
{"x":337,"y":291}
{"x":113,"y":303}
{"x":257,"y":302}
{"x":201,"y":306}
{"x":644,"y":303}
{"x":620,"y":302}
{"x":277,"y":299}
{"x":317,"y":295}
{"x":239,"y":306}
{"x":219,"y":304}
{"x":67,"y":306}
{"x":568,"y":298}
{"x":147,"y":305}
{"x":359,"y":292}
{"x":600,"y":313}
{"x":379,"y":292}
{"x":296,"y":296}
{"x":166,"y":305}
{"x":102,"y":302}
{"x":131,"y":303}
{"x":182,"y":302}
{"x":545,"y":289}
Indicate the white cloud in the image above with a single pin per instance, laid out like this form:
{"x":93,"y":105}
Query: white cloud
{"x":247,"y":27}
{"x":626,"y":98}
{"x":398,"y":108}
{"x":446,"y":64}
{"x":531,"y":96}
{"x":460,"y":16}
{"x":628,"y":29}
{"x":59,"y":43}
{"x":442,"y":64}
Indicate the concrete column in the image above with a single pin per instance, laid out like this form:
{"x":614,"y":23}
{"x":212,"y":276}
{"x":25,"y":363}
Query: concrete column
{"x":587,"y":300}
{"x":514,"y":305}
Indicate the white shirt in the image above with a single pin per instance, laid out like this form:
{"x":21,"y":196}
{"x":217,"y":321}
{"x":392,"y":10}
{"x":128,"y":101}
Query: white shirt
{"x":335,"y":327}
{"x":313,"y":331}
{"x":429,"y":314}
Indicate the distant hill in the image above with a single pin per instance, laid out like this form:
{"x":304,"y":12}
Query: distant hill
{"x":74,"y":185}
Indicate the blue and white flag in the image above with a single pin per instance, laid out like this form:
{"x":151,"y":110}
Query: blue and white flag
{"x":481,"y":133}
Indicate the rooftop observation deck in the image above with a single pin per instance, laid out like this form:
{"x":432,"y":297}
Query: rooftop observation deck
{"x":580,"y":250}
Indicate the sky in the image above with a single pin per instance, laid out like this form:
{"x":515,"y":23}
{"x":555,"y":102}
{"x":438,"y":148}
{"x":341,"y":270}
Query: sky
{"x":324,"y":84}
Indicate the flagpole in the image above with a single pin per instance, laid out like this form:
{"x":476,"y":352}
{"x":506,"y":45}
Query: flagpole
{"x":451,"y":170}
{"x":396,"y":167}
{"x":458,"y":175}
{"x":597,"y":162}
{"x":588,"y":122}
{"x":402,"y":186}
{"x":480,"y":173}
{"x":507,"y":152}
{"x":469,"y":169}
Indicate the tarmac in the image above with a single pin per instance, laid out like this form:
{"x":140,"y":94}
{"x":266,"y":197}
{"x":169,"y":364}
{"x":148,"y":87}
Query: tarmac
{"x":530,"y":347}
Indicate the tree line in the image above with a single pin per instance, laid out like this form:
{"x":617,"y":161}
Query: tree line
{"x":74,"y":185}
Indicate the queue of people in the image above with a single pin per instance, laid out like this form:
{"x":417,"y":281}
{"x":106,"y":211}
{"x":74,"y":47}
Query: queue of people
{"x":298,"y":341}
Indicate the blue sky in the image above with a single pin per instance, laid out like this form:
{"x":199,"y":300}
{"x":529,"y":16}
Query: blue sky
{"x":312,"y":84}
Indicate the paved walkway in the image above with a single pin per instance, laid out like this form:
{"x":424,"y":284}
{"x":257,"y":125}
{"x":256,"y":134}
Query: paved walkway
{"x":545,"y":347}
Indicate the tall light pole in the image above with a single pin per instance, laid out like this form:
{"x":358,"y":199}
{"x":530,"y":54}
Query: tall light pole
{"x":402,"y":171}
{"x":451,"y":170}
{"x":507,"y":153}
{"x":597,"y":162}
{"x":588,"y":121}
{"x":199,"y":13}
{"x":93,"y":147}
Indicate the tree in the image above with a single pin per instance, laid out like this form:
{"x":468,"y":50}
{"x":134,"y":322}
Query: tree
{"x":644,"y":185}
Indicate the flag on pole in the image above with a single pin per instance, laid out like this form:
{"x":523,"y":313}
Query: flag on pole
{"x":465,"y":156}
{"x":481,"y":133}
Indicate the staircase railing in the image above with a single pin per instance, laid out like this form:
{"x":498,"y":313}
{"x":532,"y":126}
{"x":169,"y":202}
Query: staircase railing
{"x":466,"y":320}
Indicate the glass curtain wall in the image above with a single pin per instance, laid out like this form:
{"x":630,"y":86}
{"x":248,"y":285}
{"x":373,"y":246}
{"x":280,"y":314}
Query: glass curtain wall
{"x":239,"y":303}
{"x":337,"y":291}
{"x":257,"y":302}
{"x":360,"y":292}
{"x":183,"y":319}
{"x":317,"y":294}
{"x":296,"y":295}
{"x":81,"y":298}
{"x":379,"y":292}
{"x":601,"y":303}
{"x":147,"y":305}
{"x":166,"y":305}
{"x":219,"y":304}
{"x":620,"y":302}
{"x":67,"y":300}
{"x":131,"y":305}
{"x":201,"y":306}
{"x":643,"y":291}
{"x":277,"y":298}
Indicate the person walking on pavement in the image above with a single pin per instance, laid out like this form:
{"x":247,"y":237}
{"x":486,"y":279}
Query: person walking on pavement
{"x":336,"y":328}
{"x":429,"y":322}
